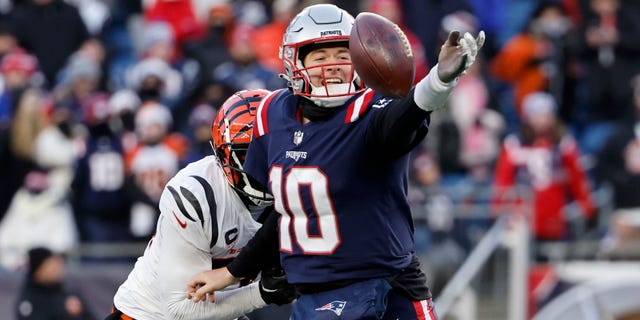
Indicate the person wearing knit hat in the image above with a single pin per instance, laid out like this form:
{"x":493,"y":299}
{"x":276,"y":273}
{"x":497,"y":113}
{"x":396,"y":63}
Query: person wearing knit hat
{"x":17,"y":68}
{"x":37,"y":257}
{"x":546,"y":159}
{"x":43,"y":295}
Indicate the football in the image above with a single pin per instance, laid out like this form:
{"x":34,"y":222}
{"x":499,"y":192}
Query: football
{"x":381,"y":55}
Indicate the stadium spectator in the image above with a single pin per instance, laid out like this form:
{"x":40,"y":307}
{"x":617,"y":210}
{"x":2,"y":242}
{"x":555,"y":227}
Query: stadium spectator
{"x":540,"y":58}
{"x":78,"y":81}
{"x":25,"y":122}
{"x":50,"y":29}
{"x":40,"y":213}
{"x":149,"y":166}
{"x":212,"y":50}
{"x":43,"y":295}
{"x":610,"y":61}
{"x":545,"y":160}
{"x":101,"y":204}
{"x":17,"y":70}
{"x":154,"y":80}
{"x":123,"y":104}
{"x":336,"y":166}
{"x":8,"y":41}
{"x":206,"y":218}
{"x":208,"y":53}
{"x":158,"y":41}
{"x":243,"y":71}
{"x":618,"y":163}
{"x":433,"y":213}
{"x":266,"y":39}
{"x":200,"y":123}
{"x":179,"y":15}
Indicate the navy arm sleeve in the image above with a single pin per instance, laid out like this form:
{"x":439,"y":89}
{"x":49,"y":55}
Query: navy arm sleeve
{"x":260,"y":253}
{"x":399,"y":126}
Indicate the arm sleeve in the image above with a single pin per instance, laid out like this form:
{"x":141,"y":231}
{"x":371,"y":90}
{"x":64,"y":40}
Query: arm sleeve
{"x":431,"y":93}
{"x":178,"y":261}
{"x":402,"y":124}
{"x":399,"y":126}
{"x":260,"y":253}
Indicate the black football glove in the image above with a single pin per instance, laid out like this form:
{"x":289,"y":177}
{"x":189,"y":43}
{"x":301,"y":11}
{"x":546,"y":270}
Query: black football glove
{"x":274,"y":287}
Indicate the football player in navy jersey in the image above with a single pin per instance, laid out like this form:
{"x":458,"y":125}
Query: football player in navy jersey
{"x":206,"y":218}
{"x":334,"y":155}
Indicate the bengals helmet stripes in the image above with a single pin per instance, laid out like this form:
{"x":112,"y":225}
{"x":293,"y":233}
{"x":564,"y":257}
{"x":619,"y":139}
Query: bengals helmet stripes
{"x":232,"y":132}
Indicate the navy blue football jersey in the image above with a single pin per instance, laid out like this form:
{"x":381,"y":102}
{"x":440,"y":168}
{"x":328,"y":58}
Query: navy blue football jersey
{"x":344,"y":213}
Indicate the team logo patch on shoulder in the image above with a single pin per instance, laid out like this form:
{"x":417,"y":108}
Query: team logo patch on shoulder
{"x":381,"y":103}
{"x":297,"y":137}
{"x":335,"y":306}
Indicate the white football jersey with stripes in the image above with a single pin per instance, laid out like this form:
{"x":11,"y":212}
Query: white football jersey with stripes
{"x":202,"y":223}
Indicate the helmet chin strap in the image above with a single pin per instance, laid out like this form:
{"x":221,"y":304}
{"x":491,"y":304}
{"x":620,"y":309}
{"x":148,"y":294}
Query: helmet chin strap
{"x":345,"y":90}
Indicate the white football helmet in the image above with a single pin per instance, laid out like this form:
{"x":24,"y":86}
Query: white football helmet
{"x":318,"y":25}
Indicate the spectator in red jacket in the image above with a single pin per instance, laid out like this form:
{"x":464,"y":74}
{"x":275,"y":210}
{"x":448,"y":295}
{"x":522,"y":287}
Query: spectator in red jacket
{"x":544,"y":160}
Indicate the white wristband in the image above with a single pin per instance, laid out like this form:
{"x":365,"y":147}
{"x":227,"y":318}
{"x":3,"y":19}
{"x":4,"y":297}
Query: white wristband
{"x":431,"y":93}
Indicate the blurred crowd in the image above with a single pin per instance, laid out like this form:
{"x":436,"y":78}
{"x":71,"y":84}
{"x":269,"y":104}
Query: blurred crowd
{"x":101,"y":102}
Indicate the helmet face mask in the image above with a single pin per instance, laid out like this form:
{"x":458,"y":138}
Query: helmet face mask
{"x":319,"y":25}
{"x":232,"y":132}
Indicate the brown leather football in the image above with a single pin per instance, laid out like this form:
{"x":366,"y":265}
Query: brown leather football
{"x":381,"y":55}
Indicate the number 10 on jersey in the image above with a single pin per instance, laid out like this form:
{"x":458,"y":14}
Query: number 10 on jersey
{"x":294,"y":223}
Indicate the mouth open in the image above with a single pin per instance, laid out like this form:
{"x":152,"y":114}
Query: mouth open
{"x":332,"y":81}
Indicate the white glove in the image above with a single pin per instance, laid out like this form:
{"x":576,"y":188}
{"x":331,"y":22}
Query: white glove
{"x":457,"y":54}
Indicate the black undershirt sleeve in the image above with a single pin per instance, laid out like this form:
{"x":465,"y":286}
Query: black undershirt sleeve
{"x":398,"y":127}
{"x":262,"y":251}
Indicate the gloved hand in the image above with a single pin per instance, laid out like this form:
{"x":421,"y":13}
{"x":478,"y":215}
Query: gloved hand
{"x":274,"y":287}
{"x":457,"y":54}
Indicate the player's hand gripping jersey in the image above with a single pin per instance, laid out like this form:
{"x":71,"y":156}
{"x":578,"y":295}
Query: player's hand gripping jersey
{"x":204,"y":223}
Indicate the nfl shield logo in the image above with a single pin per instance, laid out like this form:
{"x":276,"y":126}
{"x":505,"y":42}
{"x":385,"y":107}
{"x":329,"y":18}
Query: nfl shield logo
{"x":297,"y":137}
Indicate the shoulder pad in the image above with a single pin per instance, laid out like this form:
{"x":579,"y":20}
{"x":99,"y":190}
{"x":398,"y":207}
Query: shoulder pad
{"x":261,"y":126}
{"x":359,"y":106}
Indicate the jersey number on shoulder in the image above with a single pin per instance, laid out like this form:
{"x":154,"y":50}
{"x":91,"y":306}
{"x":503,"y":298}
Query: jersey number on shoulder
{"x":294,"y":225}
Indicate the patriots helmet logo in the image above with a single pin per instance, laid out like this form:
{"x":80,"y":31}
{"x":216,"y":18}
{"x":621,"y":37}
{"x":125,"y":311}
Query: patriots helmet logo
{"x":335,"y":306}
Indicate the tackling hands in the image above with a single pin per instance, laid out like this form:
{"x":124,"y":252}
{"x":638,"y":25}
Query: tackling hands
{"x":274,"y":288}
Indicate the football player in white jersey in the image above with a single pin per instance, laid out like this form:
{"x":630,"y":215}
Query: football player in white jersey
{"x":206,"y":219}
